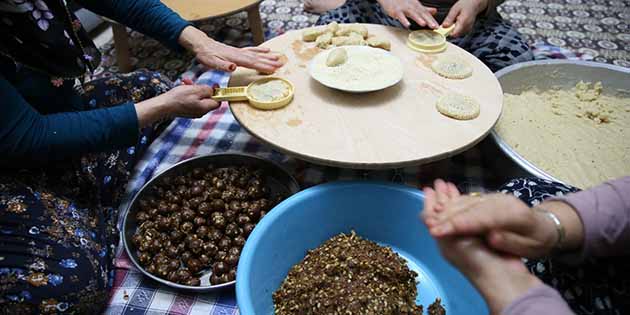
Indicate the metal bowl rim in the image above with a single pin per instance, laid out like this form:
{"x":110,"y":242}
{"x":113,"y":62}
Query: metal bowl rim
{"x":157,"y":176}
{"x":504,"y":146}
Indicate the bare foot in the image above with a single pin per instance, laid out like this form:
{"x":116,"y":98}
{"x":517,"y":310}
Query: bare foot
{"x":321,"y":6}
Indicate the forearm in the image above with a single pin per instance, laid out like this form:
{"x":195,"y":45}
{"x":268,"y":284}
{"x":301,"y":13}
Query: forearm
{"x":150,"y":17}
{"x":540,"y":299}
{"x":45,"y":138}
{"x":500,"y":289}
{"x":605,"y":213}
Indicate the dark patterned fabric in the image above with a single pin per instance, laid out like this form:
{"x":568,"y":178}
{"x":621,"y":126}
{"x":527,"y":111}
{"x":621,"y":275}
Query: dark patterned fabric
{"x":598,"y":28}
{"x":46,"y":36}
{"x":596,"y":287}
{"x":493,"y":40}
{"x":58,"y":226}
{"x":280,"y":16}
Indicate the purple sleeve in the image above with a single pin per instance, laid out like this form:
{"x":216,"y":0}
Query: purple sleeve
{"x":605,"y":213}
{"x":539,"y":300}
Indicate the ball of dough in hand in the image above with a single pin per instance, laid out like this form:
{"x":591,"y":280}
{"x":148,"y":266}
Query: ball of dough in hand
{"x":336,"y":57}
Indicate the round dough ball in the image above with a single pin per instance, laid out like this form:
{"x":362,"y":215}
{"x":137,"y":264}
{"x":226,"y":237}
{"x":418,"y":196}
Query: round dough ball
{"x":336,"y":57}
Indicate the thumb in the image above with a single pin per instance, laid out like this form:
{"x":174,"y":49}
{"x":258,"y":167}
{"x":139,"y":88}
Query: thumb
{"x":515,"y":244}
{"x":451,"y":17}
{"x":209,"y":104}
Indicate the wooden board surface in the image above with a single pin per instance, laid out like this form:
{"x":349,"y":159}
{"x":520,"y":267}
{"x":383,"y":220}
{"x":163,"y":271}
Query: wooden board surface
{"x":395,"y":127}
{"x":193,"y":10}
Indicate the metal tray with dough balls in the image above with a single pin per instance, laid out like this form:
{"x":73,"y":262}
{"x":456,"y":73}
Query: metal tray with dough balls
{"x":391,"y":128}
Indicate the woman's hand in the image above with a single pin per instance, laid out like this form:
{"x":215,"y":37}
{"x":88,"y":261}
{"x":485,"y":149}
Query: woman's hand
{"x":501,"y":279}
{"x":219,"y":56}
{"x":507,"y":224}
{"x":403,"y":9}
{"x":463,"y":14}
{"x":191,"y":101}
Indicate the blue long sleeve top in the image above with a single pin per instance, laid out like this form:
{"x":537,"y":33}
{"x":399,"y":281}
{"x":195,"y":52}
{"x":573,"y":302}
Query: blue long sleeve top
{"x":41,"y":123}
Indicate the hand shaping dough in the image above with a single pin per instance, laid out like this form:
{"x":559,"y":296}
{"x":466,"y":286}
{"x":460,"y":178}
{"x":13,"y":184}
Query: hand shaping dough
{"x":458,"y":106}
{"x":351,"y":39}
{"x":451,"y":67}
{"x":324,"y":40}
{"x":345,"y":30}
{"x":337,"y":56}
{"x":378,"y":42}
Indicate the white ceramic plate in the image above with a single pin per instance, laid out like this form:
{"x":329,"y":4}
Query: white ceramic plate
{"x":382,"y":71}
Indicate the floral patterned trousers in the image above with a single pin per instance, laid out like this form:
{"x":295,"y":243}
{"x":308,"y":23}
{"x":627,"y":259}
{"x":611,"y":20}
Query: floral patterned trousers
{"x":597,"y":286}
{"x":58,"y":224}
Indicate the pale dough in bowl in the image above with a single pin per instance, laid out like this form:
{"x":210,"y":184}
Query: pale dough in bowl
{"x":580,"y":136}
{"x":366,"y":69}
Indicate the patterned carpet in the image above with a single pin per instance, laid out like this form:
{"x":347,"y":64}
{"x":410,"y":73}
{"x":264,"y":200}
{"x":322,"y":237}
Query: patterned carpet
{"x":595,"y":27}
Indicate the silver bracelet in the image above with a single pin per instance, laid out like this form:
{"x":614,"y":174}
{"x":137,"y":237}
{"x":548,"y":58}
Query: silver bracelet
{"x":562,"y":234}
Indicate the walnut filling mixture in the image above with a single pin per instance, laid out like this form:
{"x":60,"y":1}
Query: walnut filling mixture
{"x":350,"y":275}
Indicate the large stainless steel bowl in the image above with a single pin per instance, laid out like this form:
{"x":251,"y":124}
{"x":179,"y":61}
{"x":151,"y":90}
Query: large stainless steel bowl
{"x":278,"y":180}
{"x":547,"y":74}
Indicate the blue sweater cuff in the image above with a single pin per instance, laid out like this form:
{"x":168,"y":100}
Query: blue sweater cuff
{"x":175,"y":30}
{"x":124,"y":128}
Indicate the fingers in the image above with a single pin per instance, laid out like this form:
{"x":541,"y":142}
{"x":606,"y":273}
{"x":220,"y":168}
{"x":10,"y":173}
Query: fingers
{"x":486,"y":216}
{"x":429,"y":203}
{"x":428,"y":17}
{"x":204,"y":91}
{"x":209,"y":104}
{"x":400,"y":16}
{"x":216,"y":62}
{"x":452,"y":16}
{"x":187,"y":81}
{"x":442,"y":192}
{"x":258,"y":49}
{"x":418,"y":17}
{"x":463,"y":25}
{"x":453,"y":192}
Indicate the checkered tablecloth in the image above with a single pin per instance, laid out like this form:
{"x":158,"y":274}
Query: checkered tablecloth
{"x":218,"y":132}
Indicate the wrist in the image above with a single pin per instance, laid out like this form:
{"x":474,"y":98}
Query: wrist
{"x":571,"y":223}
{"x":505,"y":287}
{"x":481,"y":5}
{"x":193,"y":39}
{"x":152,"y":110}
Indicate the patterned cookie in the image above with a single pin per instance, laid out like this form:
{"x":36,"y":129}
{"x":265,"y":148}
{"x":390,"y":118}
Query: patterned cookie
{"x":458,"y":106}
{"x":451,"y":67}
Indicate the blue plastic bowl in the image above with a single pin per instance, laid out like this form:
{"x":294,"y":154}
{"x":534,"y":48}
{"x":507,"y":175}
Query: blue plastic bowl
{"x":384,"y":213}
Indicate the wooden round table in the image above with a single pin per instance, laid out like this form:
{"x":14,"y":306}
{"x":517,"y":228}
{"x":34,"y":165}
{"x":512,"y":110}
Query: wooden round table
{"x":395,"y":127}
